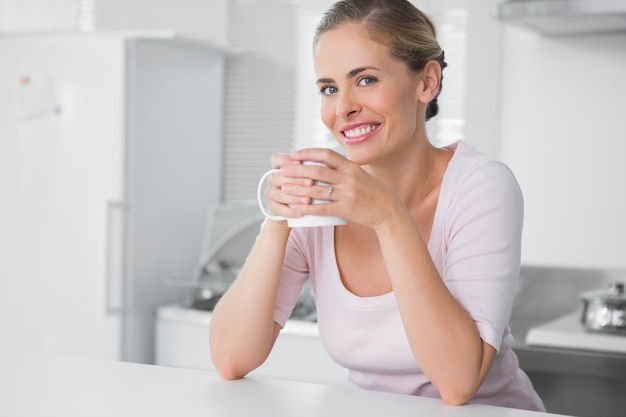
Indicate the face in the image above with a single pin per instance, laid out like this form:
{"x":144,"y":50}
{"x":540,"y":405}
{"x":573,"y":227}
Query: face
{"x":369,"y":98}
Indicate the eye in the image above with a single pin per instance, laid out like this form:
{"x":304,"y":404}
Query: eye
{"x":365,"y":81}
{"x":328,"y":90}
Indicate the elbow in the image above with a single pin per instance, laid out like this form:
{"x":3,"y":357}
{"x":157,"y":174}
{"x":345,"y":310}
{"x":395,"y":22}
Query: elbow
{"x":228,"y":367}
{"x":228,"y":370}
{"x":229,"y":374}
{"x":458,"y":395}
{"x":454,"y":400}
{"x":461,"y":385}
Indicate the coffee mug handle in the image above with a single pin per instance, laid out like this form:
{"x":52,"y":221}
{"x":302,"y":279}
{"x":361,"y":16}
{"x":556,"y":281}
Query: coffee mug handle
{"x":260,"y":190}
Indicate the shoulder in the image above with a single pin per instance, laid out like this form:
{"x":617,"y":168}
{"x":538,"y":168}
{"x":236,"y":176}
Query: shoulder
{"x":308,"y":240}
{"x":471,"y":170}
{"x":476,"y":186}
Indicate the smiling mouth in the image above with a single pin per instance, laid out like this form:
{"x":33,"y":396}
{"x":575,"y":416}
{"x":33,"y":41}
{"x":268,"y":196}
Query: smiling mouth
{"x":360,"y":131}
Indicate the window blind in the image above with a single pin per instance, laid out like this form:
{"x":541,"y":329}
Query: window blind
{"x":260,"y":91}
{"x":471,"y":37}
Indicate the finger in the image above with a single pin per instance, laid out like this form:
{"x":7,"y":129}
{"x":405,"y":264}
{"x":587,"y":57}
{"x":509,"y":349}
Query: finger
{"x":330,"y":190}
{"x":324,"y":192}
{"x":328,"y":156}
{"x":288,"y":190}
{"x":305,"y":195}
{"x":280,"y":181}
{"x":308,"y":175}
{"x":279,"y":160}
{"x":281,"y":203}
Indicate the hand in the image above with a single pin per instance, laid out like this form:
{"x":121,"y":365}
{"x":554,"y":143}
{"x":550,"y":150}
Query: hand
{"x":356,"y":196}
{"x":279,"y":202}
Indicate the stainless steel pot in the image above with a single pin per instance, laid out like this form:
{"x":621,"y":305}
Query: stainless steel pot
{"x":605,"y":310}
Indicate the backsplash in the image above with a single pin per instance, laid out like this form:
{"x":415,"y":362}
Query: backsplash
{"x":545,"y":293}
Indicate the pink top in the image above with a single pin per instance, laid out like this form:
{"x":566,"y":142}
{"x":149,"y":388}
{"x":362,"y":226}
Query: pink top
{"x":475,"y":244}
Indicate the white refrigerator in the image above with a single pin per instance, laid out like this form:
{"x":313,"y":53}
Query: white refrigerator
{"x":110,"y":156}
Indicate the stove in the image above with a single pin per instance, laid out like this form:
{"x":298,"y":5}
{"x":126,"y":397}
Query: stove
{"x":568,"y":332}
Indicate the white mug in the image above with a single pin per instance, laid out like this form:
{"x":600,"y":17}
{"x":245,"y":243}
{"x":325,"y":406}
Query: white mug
{"x":308,"y":220}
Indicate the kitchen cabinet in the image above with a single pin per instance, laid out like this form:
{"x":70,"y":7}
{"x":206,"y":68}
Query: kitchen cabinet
{"x":110,"y":154}
{"x":583,"y":383}
{"x":574,"y":380}
{"x":183,"y":341}
{"x":565,"y":17}
{"x":197,"y":19}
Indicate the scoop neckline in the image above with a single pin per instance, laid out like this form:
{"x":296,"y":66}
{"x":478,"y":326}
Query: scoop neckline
{"x":386,"y":299}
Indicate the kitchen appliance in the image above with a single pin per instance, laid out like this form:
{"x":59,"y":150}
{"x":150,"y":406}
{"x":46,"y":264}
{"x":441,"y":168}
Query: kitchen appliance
{"x":565,"y":17}
{"x":110,"y":154}
{"x":603,"y":310}
{"x":230,"y":232}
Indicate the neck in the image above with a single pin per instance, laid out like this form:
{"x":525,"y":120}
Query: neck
{"x":413,"y":176}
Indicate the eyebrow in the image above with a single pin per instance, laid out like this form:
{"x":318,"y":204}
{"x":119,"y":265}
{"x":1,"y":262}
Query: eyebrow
{"x":350,"y":74}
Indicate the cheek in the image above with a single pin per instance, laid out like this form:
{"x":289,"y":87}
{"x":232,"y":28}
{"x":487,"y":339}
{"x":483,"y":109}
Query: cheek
{"x":398,"y":99}
{"x":405,"y":106}
{"x":390,"y":102}
{"x":327,"y":114}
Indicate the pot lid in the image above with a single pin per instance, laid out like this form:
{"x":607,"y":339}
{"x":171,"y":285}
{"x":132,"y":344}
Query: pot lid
{"x":613,"y":294}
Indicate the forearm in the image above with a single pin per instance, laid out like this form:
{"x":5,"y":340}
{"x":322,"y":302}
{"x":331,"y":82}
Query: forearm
{"x":443,"y":337}
{"x":242,"y":329}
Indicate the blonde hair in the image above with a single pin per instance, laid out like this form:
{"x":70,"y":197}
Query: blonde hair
{"x":408,"y":33}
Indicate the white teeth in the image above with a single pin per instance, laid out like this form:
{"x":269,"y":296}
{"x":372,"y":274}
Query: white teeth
{"x":359,"y":131}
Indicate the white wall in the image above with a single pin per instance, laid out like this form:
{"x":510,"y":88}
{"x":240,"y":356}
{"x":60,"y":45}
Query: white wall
{"x":201,"y":19}
{"x":20,"y":15}
{"x":563,"y":132}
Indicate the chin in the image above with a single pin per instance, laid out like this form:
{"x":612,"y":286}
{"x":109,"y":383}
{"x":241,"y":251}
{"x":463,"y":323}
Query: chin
{"x":360,"y":157}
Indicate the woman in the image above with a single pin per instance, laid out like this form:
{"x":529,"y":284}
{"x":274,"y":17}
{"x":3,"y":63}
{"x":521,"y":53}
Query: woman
{"x":414,"y":294}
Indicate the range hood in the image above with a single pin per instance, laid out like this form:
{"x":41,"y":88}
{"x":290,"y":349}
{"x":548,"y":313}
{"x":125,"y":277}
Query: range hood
{"x":565,"y":17}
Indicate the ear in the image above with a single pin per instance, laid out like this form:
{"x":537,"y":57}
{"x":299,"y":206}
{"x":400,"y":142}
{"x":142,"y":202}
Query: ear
{"x":430,"y":82}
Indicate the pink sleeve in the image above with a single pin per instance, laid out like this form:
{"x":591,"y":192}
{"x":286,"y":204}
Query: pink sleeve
{"x":483,"y":238}
{"x":294,"y":275}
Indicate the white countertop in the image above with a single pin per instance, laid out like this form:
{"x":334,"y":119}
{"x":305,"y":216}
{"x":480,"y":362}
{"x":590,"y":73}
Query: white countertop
{"x":57,"y":386}
{"x":568,"y":332}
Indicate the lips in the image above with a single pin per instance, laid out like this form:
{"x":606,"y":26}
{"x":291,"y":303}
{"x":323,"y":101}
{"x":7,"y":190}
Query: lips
{"x":360,"y":133}
{"x":360,"y":130}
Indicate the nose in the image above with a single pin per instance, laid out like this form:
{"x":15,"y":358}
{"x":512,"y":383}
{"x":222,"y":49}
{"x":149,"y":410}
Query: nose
{"x":347,"y":104}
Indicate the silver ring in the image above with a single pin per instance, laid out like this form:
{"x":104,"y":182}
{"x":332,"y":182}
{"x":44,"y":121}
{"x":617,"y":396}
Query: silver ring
{"x":330,"y":192}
